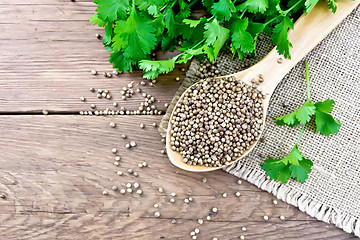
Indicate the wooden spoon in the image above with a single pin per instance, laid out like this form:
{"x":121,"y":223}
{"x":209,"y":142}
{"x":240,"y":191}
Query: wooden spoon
{"x":308,"y":31}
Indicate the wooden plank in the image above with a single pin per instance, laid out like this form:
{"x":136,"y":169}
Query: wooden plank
{"x":47,"y":53}
{"x":54,"y":169}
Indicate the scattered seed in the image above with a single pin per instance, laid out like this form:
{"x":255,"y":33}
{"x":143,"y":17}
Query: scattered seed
{"x":208,"y":218}
{"x":239,"y":182}
{"x":93,"y":72}
{"x":267,"y":177}
{"x":162,"y":151}
{"x":242,"y":237}
{"x":156,"y":205}
{"x":142,"y":125}
{"x":116,"y":163}
{"x":144,"y":164}
{"x":142,"y":83}
{"x":173,"y":194}
{"x":183,"y":69}
{"x":154,"y":124}
{"x":243,"y":229}
{"x":194,"y":237}
{"x":172,"y":200}
{"x":2,"y":196}
{"x":166,"y":105}
{"x":224,"y":195}
{"x":204,"y":180}
{"x":115,"y":104}
{"x":163,"y":140}
{"x":192,"y":233}
{"x":93,"y":106}
{"x":45,"y":112}
{"x":196,"y":230}
{"x":128,"y":185}
{"x":173,"y":221}
{"x":123,"y":136}
{"x":177,"y":79}
{"x":117,"y":158}
{"x":112,"y":124}
{"x":139,"y":191}
{"x":105,"y":192}
{"x":127,"y":145}
{"x":82,"y":99}
{"x":266,"y":217}
{"x":214,"y":210}
{"x":161,"y":190}
{"x":200,"y":221}
{"x":119,"y":173}
{"x":157,"y":214}
{"x":140,"y":165}
{"x":282,"y":217}
{"x":279,"y":60}
{"x":136,"y":185}
{"x":129,"y":190}
{"x":186,"y":200}
{"x":122,"y":191}
{"x":214,"y":238}
{"x":237,"y":194}
{"x":114,"y":150}
{"x":275,"y":202}
{"x":132,"y":143}
{"x":114,"y":188}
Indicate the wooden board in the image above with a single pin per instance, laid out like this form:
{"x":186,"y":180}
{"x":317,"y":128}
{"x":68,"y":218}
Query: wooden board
{"x":47,"y":53}
{"x":55,"y":168}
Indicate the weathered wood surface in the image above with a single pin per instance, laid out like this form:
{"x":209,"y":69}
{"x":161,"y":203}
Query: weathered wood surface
{"x":53,"y":169}
{"x":47,"y":53}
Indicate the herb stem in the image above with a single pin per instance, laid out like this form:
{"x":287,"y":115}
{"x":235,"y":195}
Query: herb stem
{"x":302,"y":130}
{"x":307,"y":80}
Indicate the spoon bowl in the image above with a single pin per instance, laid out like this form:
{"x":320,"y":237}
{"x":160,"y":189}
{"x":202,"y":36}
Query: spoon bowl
{"x":309,"y":30}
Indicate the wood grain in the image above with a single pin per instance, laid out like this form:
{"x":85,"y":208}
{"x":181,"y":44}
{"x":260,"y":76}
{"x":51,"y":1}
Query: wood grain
{"x":47,"y":53}
{"x":55,"y":168}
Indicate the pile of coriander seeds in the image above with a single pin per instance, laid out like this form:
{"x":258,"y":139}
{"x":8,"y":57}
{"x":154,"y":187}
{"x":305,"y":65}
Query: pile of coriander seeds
{"x":216,"y":121}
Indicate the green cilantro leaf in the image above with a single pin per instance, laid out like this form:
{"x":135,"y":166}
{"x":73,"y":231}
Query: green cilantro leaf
{"x":254,"y":6}
{"x":276,"y":170}
{"x":241,"y":40}
{"x":97,"y":21}
{"x":300,"y":116}
{"x":309,"y":4}
{"x":332,"y":5}
{"x":280,"y":37}
{"x":152,"y":69}
{"x":111,"y":10}
{"x":325,"y":122}
{"x":294,"y":165}
{"x":192,"y":23}
{"x":216,"y":35}
{"x":300,"y":172}
{"x":223,"y":9}
{"x":135,"y":36}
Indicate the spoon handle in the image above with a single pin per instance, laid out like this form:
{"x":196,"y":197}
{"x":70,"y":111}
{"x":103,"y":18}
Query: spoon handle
{"x":308,"y":31}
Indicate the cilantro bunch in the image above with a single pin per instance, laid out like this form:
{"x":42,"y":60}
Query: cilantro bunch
{"x":294,"y":165}
{"x":133,"y":29}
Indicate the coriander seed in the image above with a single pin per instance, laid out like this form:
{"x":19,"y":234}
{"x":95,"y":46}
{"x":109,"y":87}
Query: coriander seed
{"x":214,"y":210}
{"x":224,"y":195}
{"x":142,"y":125}
{"x":116,"y":163}
{"x":208,"y":218}
{"x":133,"y":144}
{"x":172,"y":200}
{"x":114,"y":188}
{"x":243,"y":229}
{"x":117,"y":158}
{"x":196,"y":230}
{"x":119,"y":173}
{"x":123,"y":191}
{"x":282,"y":217}
{"x":112,"y":124}
{"x":266,"y":217}
{"x":93,"y":72}
{"x":161,"y":190}
{"x":237,"y":194}
{"x":157,"y":214}
{"x":190,"y":199}
{"x":173,"y":221}
{"x":200,"y":221}
{"x":239,"y":182}
{"x":156,"y":205}
{"x":242,"y":237}
{"x":136,"y":185}
{"x":139,"y":191}
{"x":186,"y":200}
{"x":114,"y":150}
{"x":105,"y":192}
{"x":123,"y":136}
{"x":275,"y":202}
{"x":173,"y":194}
{"x":129,"y":190}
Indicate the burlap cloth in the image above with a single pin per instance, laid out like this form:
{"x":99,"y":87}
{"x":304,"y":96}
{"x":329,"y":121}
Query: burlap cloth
{"x":332,"y":192}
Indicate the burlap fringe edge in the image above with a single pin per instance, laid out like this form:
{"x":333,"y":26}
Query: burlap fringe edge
{"x":304,"y":203}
